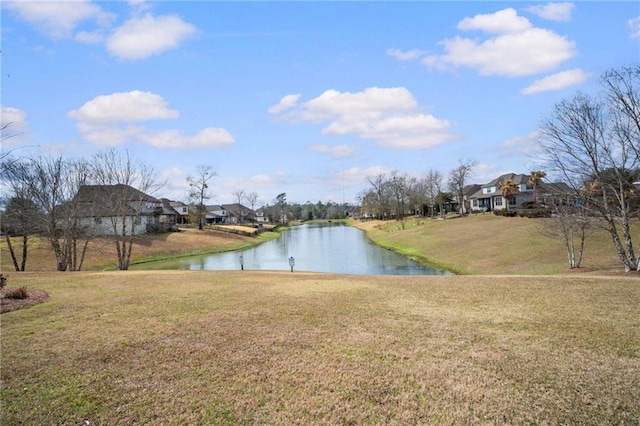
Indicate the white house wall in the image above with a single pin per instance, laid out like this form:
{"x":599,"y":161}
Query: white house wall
{"x":105,"y":226}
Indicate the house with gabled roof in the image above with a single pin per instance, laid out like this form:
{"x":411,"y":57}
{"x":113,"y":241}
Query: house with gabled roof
{"x":489,"y":197}
{"x":101,"y":208}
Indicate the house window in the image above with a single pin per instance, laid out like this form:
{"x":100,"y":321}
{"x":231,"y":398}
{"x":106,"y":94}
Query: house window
{"x":475,"y":203}
{"x":512,"y":201}
{"x":498,"y":201}
{"x":137,"y":220}
{"x":97,"y":220}
{"x":184,"y":210}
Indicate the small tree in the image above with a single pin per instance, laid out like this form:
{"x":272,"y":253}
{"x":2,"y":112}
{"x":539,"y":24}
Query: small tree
{"x":199,"y":192}
{"x":534,"y":180}
{"x":281,"y":205}
{"x":433,"y":186}
{"x":569,"y":224}
{"x":508,"y":189}
{"x":240,"y":195}
{"x":130,"y":181}
{"x":457,"y":180}
{"x":20,"y":219}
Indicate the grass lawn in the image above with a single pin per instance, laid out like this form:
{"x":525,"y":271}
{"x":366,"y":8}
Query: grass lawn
{"x":489,"y":244}
{"x":101,"y":252}
{"x":236,"y":347}
{"x":250,"y":347}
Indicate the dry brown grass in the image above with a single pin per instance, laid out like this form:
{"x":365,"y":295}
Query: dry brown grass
{"x":237,"y":347}
{"x":489,"y":244}
{"x":101,"y":253}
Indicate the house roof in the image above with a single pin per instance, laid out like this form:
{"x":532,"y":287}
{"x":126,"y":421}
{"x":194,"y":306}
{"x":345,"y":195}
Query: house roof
{"x":103,"y":200}
{"x":102,"y":193}
{"x":167,"y":209}
{"x":516,"y":178}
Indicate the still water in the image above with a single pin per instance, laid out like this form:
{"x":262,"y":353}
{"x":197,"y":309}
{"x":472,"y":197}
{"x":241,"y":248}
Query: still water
{"x":333,"y":248}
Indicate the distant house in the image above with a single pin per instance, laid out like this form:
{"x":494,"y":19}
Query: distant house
{"x":100,"y":207}
{"x":182,"y":210}
{"x":261,"y":217}
{"x":217,"y":214}
{"x":489,"y":197}
{"x":229,"y":214}
{"x":464,"y":206}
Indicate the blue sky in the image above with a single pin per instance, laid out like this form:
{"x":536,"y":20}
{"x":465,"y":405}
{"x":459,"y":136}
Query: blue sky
{"x":307,"y":98}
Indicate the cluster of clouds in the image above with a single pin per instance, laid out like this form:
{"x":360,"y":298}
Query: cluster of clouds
{"x":141,"y":35}
{"x":388,"y":116}
{"x":509,"y":45}
{"x":110,"y":120}
{"x":500,"y":44}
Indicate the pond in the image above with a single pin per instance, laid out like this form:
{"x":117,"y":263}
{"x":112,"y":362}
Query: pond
{"x":333,"y":248}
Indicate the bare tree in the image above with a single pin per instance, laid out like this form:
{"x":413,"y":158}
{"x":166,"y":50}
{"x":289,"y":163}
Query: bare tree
{"x":51,"y":183}
{"x":199,"y":191}
{"x":570,"y":224}
{"x":239,"y":196}
{"x":20,"y":219}
{"x":457,"y":180}
{"x":433,"y":186}
{"x":592,"y":143}
{"x":126,"y":181}
{"x":379,"y":201}
{"x":397,"y":186}
{"x":252,"y":199}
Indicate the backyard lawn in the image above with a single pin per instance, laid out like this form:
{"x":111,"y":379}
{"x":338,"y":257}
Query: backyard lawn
{"x":238,"y":347}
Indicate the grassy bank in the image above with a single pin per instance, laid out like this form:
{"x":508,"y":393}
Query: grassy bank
{"x":282,"y":348}
{"x":101,"y":254}
{"x":489,"y":244}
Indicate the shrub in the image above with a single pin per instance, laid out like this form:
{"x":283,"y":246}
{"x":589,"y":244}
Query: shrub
{"x":17,"y":293}
{"x":3,"y":281}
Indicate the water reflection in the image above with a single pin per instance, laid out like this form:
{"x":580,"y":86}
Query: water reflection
{"x":333,"y":248}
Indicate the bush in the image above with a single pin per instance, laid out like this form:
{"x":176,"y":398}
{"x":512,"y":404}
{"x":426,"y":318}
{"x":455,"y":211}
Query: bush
{"x":3,"y":281}
{"x":504,"y":212}
{"x":17,"y":293}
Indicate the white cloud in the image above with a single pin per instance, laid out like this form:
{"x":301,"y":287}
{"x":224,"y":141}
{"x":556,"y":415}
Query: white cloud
{"x":108,"y":135}
{"x":559,"y":12}
{"x":12,"y":117}
{"x":333,"y":150}
{"x":408,"y":55}
{"x":557,"y":81}
{"x":502,"y":22}
{"x":58,"y":19}
{"x":139,"y":38}
{"x":13,"y":126}
{"x":356,"y":176}
{"x":124,"y":107}
{"x":525,"y":145}
{"x":389,"y":116}
{"x":285,"y":103}
{"x":518,"y":50}
{"x":108,"y":121}
{"x":634,"y":27}
{"x":207,"y":138}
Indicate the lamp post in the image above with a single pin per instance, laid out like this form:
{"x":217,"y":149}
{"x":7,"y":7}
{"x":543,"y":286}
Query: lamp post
{"x":292,"y":262}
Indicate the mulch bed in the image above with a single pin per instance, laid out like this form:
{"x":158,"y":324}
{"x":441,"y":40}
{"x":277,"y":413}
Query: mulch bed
{"x":33,"y":298}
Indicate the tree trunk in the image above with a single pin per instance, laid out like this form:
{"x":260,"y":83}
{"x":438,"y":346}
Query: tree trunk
{"x":84,"y":251}
{"x":24,"y":253}
{"x":13,"y":254}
